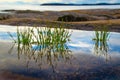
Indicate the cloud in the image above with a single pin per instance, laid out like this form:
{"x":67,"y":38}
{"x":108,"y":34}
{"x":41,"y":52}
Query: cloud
{"x":40,"y":1}
{"x":113,"y":1}
{"x":108,"y":1}
{"x":63,"y":1}
{"x":13,"y":1}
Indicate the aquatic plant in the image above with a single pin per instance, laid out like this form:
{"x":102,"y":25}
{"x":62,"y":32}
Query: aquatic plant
{"x":44,"y":45}
{"x":100,"y":39}
{"x":24,"y":36}
{"x":55,"y":39}
{"x":102,"y":35}
{"x":101,"y":49}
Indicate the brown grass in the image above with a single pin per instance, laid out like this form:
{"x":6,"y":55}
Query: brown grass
{"x":107,"y":17}
{"x":107,"y":22}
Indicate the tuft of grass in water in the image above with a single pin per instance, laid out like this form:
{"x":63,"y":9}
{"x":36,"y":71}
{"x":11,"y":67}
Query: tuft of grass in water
{"x":54,"y":39}
{"x":50,"y":45}
{"x":102,"y":35}
{"x":24,"y":36}
{"x":100,"y":39}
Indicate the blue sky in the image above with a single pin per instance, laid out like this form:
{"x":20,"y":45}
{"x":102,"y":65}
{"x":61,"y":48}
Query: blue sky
{"x":62,"y":1}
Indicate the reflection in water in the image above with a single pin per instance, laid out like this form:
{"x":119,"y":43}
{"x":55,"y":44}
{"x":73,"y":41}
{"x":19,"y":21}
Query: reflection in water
{"x":100,"y":41}
{"x":45,"y":46}
{"x":43,"y":57}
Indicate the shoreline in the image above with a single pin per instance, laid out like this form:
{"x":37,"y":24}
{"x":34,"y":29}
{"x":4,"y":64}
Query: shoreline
{"x":89,"y":25}
{"x":109,"y":18}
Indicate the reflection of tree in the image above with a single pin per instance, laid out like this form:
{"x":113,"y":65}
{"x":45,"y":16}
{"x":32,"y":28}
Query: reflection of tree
{"x":100,"y":40}
{"x":44,"y":46}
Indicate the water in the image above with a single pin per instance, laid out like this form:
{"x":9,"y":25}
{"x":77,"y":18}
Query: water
{"x":54,"y":8}
{"x":81,"y":64}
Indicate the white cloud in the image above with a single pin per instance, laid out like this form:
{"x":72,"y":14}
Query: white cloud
{"x":109,"y":1}
{"x":65,"y":1}
{"x":112,"y":1}
{"x":15,"y":0}
{"x":80,"y":44}
{"x":40,"y":1}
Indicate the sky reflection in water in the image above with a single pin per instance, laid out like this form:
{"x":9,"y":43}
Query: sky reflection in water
{"x":43,"y":65}
{"x":80,"y":40}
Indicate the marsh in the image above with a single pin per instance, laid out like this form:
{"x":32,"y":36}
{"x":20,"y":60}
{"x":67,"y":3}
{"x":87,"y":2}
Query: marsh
{"x":78,"y":60}
{"x":45,"y":42}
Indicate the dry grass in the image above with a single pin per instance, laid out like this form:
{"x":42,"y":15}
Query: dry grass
{"x":96,"y":11}
{"x":114,"y":21}
{"x":39,"y":22}
{"x":100,"y":17}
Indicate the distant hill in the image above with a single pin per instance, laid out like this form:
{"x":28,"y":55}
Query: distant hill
{"x":70,"y":4}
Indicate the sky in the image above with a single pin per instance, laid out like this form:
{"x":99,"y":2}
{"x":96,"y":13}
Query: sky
{"x":55,"y":1}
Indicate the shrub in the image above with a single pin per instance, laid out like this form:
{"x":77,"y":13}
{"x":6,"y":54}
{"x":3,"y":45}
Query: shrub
{"x":66,"y":18}
{"x":81,"y":19}
{"x":71,"y":18}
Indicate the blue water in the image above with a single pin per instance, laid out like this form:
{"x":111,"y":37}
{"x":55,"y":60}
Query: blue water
{"x":80,"y":41}
{"x":81,"y":64}
{"x":54,"y":8}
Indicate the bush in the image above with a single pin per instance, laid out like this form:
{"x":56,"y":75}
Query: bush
{"x":81,"y":19}
{"x":66,"y":18}
{"x":71,"y":18}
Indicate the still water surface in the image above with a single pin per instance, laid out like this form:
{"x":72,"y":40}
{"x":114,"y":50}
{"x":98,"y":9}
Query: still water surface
{"x":54,"y":8}
{"x":82,"y":63}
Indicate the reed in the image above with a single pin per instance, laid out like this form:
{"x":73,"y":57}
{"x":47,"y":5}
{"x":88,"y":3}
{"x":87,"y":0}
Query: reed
{"x":51,"y":39}
{"x":102,"y":35}
{"x":24,"y":36}
{"x":100,"y":39}
{"x":55,"y":39}
{"x":44,"y":45}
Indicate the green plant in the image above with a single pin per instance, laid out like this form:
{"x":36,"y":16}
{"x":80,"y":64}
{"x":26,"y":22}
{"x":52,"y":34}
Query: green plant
{"x":100,"y":39}
{"x":50,"y":45}
{"x":45,"y":38}
{"x":102,"y":35}
{"x":52,"y":38}
{"x":24,"y":36}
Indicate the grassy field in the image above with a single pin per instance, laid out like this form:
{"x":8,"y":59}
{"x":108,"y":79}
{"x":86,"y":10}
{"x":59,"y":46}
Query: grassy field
{"x":102,"y":22}
{"x":108,"y":17}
